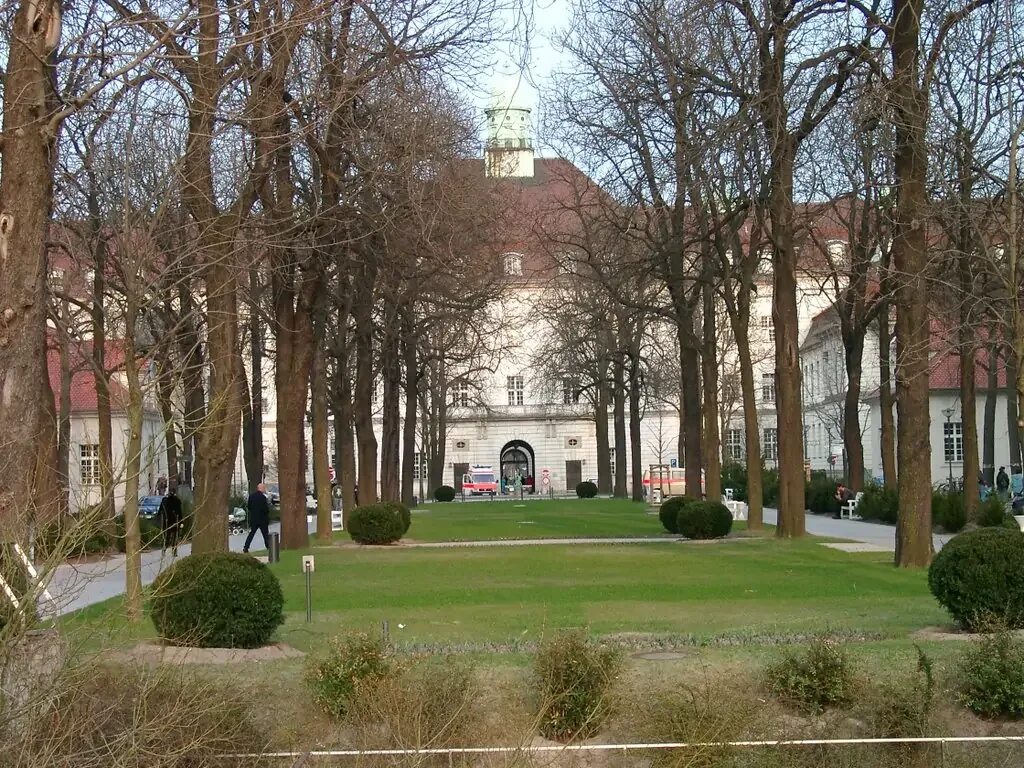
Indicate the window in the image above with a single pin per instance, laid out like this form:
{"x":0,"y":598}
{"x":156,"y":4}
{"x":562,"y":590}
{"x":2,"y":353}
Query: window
{"x":953,"y":441}
{"x":768,"y":326}
{"x":89,"y":457}
{"x":460,"y":393}
{"x":768,"y":387}
{"x":515,"y":389}
{"x":611,"y":462}
{"x":570,"y":391}
{"x":513,"y":263}
{"x":460,"y":445}
{"x":419,"y":465}
{"x":734,"y":444}
{"x":771,"y":444}
{"x":509,"y":143}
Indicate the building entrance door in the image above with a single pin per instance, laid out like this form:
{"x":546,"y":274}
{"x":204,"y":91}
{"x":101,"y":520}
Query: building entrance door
{"x":459,"y":470}
{"x":573,"y":474}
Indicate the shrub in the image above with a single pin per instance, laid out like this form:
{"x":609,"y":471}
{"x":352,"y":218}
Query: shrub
{"x":879,"y":503}
{"x":403,"y":513}
{"x":152,"y":534}
{"x":904,"y":710}
{"x":217,"y":600}
{"x":821,"y":495}
{"x":734,"y":475}
{"x":669,"y":511}
{"x":375,"y":524}
{"x":949,"y":511}
{"x":992,"y":512}
{"x":444,"y":493}
{"x":979,"y":576}
{"x":819,"y":677}
{"x":349,"y":659}
{"x":991,"y":675}
{"x":770,"y":486}
{"x":586,"y":490}
{"x":572,"y":680}
{"x":430,"y":705}
{"x":704,"y":520}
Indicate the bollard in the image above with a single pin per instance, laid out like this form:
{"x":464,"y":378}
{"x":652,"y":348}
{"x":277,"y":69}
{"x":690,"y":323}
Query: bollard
{"x":274,"y":550}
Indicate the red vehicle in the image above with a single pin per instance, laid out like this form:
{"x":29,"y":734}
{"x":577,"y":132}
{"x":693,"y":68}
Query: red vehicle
{"x":480,"y":481}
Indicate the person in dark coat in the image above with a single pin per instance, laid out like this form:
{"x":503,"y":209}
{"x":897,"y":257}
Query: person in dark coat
{"x":1003,"y":483}
{"x":259,"y":516}
{"x":170,"y":520}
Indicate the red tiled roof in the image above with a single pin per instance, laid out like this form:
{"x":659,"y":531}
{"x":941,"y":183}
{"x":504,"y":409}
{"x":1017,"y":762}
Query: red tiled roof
{"x":83,"y":382}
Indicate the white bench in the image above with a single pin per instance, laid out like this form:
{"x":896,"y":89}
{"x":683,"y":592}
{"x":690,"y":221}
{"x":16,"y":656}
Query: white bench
{"x":849,"y":509}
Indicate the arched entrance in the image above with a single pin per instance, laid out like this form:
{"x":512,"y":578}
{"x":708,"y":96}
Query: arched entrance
{"x":517,"y":460}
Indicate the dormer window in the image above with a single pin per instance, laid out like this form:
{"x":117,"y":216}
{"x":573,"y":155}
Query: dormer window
{"x":513,"y":264}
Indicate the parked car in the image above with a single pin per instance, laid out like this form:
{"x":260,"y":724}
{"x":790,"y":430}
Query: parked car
{"x":149,"y":506}
{"x":274,"y":494}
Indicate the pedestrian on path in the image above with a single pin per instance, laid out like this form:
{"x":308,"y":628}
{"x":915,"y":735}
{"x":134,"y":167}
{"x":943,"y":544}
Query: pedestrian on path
{"x":259,"y":516}
{"x":844,"y":496}
{"x":1003,"y":483}
{"x":170,"y":520}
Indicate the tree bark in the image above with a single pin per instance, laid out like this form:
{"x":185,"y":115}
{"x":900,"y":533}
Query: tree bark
{"x":133,"y":468}
{"x":910,"y":107}
{"x":409,"y":365}
{"x":101,"y":380}
{"x":885,"y":401}
{"x":321,"y":462}
{"x":619,"y":418}
{"x":691,"y":413}
{"x":991,"y":401}
{"x":192,"y":364}
{"x":636,"y":448}
{"x":852,"y":440}
{"x":390,"y":440}
{"x":709,"y":368}
{"x":64,"y":427}
{"x":604,"y":458}
{"x":26,"y":201}
{"x":362,"y":401}
{"x":1013,"y":374}
{"x":751,"y":427}
{"x":345,"y":445}
{"x":252,"y":426}
{"x":165,"y":397}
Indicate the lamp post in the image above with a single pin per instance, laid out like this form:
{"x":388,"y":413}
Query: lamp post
{"x":948,"y":413}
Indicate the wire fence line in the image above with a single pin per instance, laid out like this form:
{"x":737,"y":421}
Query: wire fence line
{"x":942,"y":741}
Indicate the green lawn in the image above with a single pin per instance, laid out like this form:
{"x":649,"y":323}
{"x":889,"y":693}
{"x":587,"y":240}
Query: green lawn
{"x":532,"y":519}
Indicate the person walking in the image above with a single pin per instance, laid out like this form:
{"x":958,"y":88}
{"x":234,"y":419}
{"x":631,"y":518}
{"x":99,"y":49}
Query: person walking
{"x":1002,"y":483}
{"x":170,"y":520}
{"x":259,"y":516}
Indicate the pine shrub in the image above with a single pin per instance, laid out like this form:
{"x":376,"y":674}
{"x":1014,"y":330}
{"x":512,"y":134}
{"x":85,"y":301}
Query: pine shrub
{"x":949,"y":511}
{"x":704,"y":520}
{"x":586,"y":490}
{"x":879,"y":503}
{"x":668,"y":513}
{"x":376,"y":524}
{"x":992,"y":512}
{"x":217,"y":600}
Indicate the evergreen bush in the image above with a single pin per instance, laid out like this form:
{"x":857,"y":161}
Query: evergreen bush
{"x":879,"y":503}
{"x":586,"y":490}
{"x":444,"y":493}
{"x":668,"y":513}
{"x":704,"y":520}
{"x":376,"y":524}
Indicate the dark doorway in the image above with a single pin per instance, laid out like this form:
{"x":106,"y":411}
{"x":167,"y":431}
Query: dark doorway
{"x":517,"y":460}
{"x":573,"y":474}
{"x":460,"y":470}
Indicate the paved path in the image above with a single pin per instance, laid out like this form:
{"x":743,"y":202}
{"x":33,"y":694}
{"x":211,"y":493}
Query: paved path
{"x":76,"y":585}
{"x":854,"y":530}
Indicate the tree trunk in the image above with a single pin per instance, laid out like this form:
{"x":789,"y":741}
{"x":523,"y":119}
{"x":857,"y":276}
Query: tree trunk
{"x":362,"y":401}
{"x":409,"y":422}
{"x":217,"y":437}
{"x":101,"y":380}
{"x":885,"y":401}
{"x":321,"y":462}
{"x":991,"y":401}
{"x":390,"y":439}
{"x":751,"y":427}
{"x":1013,"y":374}
{"x":692,"y":415}
{"x":853,"y":442}
{"x":345,"y":443}
{"x":636,"y":448}
{"x":192,"y":365}
{"x":292,"y":374}
{"x":252,"y":426}
{"x":64,"y":428}
{"x":709,"y":368}
{"x":26,"y":201}
{"x":133,"y":468}
{"x":604,"y":458}
{"x":909,"y":247}
{"x":619,"y":418}
{"x":165,"y":397}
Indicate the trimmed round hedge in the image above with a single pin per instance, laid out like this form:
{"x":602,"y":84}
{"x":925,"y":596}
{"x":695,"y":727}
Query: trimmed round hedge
{"x":979,"y":577}
{"x":704,"y":520}
{"x":668,"y":513}
{"x":444,"y":493}
{"x":586,"y":490}
{"x":377,"y":523}
{"x":217,"y":600}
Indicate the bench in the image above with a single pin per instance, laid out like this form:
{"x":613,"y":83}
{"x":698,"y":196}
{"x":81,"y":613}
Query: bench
{"x":737,"y":508}
{"x":850,"y":508}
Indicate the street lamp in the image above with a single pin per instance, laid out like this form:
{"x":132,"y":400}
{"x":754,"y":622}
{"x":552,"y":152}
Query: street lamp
{"x":948,"y":413}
